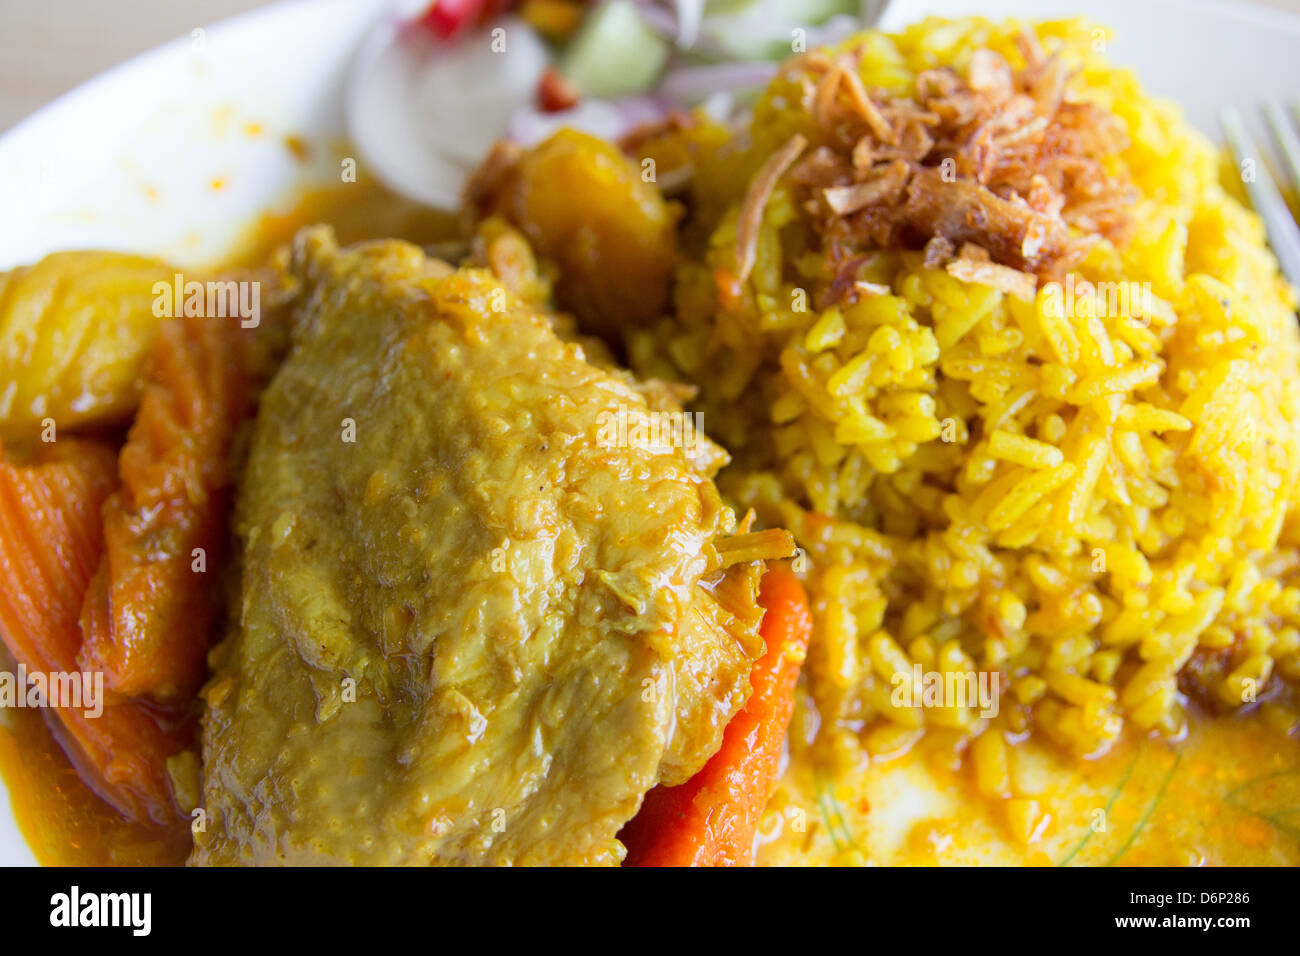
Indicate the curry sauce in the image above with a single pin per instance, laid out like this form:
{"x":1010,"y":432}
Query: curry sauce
{"x":62,"y":819}
{"x":1227,"y":795}
{"x":1233,"y":799}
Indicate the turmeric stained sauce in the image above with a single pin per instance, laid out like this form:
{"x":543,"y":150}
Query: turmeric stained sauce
{"x":64,"y":822}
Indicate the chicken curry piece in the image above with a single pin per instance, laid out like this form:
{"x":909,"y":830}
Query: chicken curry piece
{"x":476,"y":624}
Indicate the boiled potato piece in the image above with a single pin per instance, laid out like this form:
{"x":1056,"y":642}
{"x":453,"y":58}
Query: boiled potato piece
{"x":74,"y":330}
{"x":584,"y":206}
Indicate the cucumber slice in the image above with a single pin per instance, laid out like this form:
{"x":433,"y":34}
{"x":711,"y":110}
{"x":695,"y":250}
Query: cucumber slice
{"x":615,"y":53}
{"x":761,"y":29}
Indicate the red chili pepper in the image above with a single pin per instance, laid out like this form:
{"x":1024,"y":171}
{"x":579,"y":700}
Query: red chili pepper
{"x":555,"y":92}
{"x":447,"y":18}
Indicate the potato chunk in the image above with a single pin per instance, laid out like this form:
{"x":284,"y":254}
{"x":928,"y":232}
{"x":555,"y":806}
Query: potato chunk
{"x":585,"y":206}
{"x":74,"y":331}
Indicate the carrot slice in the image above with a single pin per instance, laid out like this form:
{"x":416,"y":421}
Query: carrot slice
{"x":165,"y":528}
{"x":51,"y":543}
{"x":711,"y":819}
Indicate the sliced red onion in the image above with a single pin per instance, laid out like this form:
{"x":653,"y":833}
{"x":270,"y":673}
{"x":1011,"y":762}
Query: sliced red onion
{"x":838,"y":28}
{"x":690,"y":15}
{"x":607,"y":119}
{"x":691,"y":84}
{"x":660,"y":19}
{"x":720,"y":106}
{"x":461,"y":115}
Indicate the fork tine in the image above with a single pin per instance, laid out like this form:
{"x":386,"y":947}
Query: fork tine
{"x":1283,"y":235}
{"x":1285,"y":137}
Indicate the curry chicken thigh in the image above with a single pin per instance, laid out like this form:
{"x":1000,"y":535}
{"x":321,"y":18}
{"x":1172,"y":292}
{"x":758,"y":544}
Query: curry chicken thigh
{"x":472,"y":627}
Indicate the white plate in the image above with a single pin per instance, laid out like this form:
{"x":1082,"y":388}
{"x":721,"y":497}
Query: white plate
{"x":132,"y":159}
{"x":129,"y":160}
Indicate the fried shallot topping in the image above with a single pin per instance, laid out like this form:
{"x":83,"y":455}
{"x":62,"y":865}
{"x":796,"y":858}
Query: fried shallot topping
{"x":760,"y":190}
{"x":1001,"y":164}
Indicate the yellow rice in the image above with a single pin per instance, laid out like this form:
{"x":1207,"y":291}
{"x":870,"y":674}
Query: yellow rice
{"x":1099,"y":505}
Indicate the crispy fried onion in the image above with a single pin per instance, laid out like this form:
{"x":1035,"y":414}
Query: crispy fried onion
{"x":1001,"y":164}
{"x":760,"y":191}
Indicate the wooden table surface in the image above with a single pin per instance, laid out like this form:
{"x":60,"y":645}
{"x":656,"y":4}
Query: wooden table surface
{"x":49,"y":46}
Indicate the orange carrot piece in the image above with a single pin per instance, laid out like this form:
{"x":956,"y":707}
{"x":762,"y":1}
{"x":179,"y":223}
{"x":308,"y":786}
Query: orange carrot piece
{"x":170,"y":513}
{"x":711,"y":819}
{"x":50,"y":545}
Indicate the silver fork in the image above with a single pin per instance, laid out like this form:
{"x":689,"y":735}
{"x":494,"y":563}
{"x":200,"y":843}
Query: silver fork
{"x":1283,"y":234}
